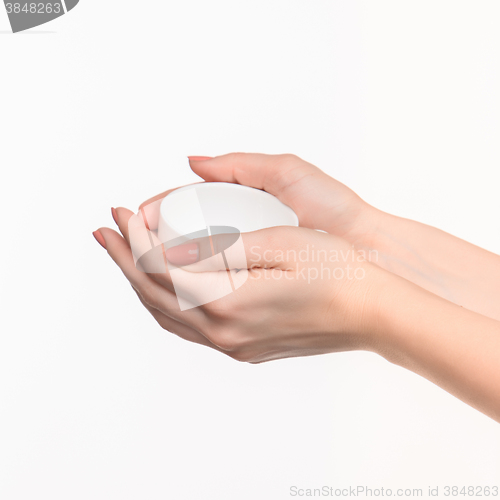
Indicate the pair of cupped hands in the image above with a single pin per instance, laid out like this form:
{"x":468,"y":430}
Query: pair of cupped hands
{"x":287,"y":306}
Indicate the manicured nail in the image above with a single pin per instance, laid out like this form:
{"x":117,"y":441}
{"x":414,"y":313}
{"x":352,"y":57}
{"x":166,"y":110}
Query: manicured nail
{"x":98,"y":236}
{"x":199,"y":158}
{"x":183,"y":255}
{"x":115,"y":215}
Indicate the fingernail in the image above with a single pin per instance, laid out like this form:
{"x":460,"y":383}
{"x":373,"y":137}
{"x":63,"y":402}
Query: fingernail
{"x":183,"y":255}
{"x":98,"y":236}
{"x":199,"y":158}
{"x":115,"y":215}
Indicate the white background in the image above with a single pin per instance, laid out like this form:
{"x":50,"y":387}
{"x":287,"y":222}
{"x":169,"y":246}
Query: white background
{"x":399,"y":100}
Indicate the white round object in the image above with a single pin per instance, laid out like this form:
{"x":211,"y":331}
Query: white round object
{"x":191,"y":209}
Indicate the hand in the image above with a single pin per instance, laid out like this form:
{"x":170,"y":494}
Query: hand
{"x":269,"y":318}
{"x":319,"y":201}
{"x":287,"y":308}
{"x":434,"y":260}
{"x":290,"y":304}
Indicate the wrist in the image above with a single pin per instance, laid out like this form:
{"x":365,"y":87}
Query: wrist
{"x":369,"y":224}
{"x":391,"y":311}
{"x":404,"y":317}
{"x":367,"y":300}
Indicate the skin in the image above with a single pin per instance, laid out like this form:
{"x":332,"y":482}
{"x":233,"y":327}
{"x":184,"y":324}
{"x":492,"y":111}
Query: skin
{"x":430,"y":302}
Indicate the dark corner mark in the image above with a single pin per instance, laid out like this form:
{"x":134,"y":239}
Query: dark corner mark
{"x":26,"y":14}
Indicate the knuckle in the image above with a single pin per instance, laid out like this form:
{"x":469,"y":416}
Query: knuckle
{"x":242,"y":356}
{"x":287,"y":157}
{"x":288,"y":170}
{"x":290,"y":164}
{"x":223,"y":309}
{"x":215,"y":310}
{"x":238,"y":156}
{"x":163,"y":326}
{"x":225,"y":338}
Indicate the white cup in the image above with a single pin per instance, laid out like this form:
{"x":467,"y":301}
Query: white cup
{"x":218,"y":207}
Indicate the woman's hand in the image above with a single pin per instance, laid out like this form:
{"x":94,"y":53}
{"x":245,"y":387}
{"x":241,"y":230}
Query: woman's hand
{"x":279,"y":305}
{"x":299,"y":292}
{"x":319,"y":201}
{"x":434,"y":260}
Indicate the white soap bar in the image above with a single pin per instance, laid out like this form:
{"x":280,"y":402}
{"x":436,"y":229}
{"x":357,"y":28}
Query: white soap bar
{"x":211,"y":205}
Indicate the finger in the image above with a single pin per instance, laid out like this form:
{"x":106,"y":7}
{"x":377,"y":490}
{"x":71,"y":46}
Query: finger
{"x":136,"y":229}
{"x":276,"y":174}
{"x":147,"y":250}
{"x":154,"y":294}
{"x":180,"y":329}
{"x":275,"y":247}
{"x":201,"y":249}
{"x":252,"y":261}
{"x":122,"y":217}
{"x":150,"y":213}
{"x":151,"y":256}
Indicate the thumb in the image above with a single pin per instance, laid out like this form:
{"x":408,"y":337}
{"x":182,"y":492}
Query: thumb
{"x":274,"y":247}
{"x":267,"y":248}
{"x":279,"y":175}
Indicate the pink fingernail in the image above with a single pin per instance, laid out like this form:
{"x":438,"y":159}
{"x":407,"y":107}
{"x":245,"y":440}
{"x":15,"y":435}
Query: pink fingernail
{"x":199,"y":158}
{"x":115,"y":215}
{"x":183,"y":255}
{"x":98,"y":236}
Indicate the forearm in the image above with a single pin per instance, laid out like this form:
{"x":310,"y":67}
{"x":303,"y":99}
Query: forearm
{"x":455,"y":348}
{"x":434,"y":260}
